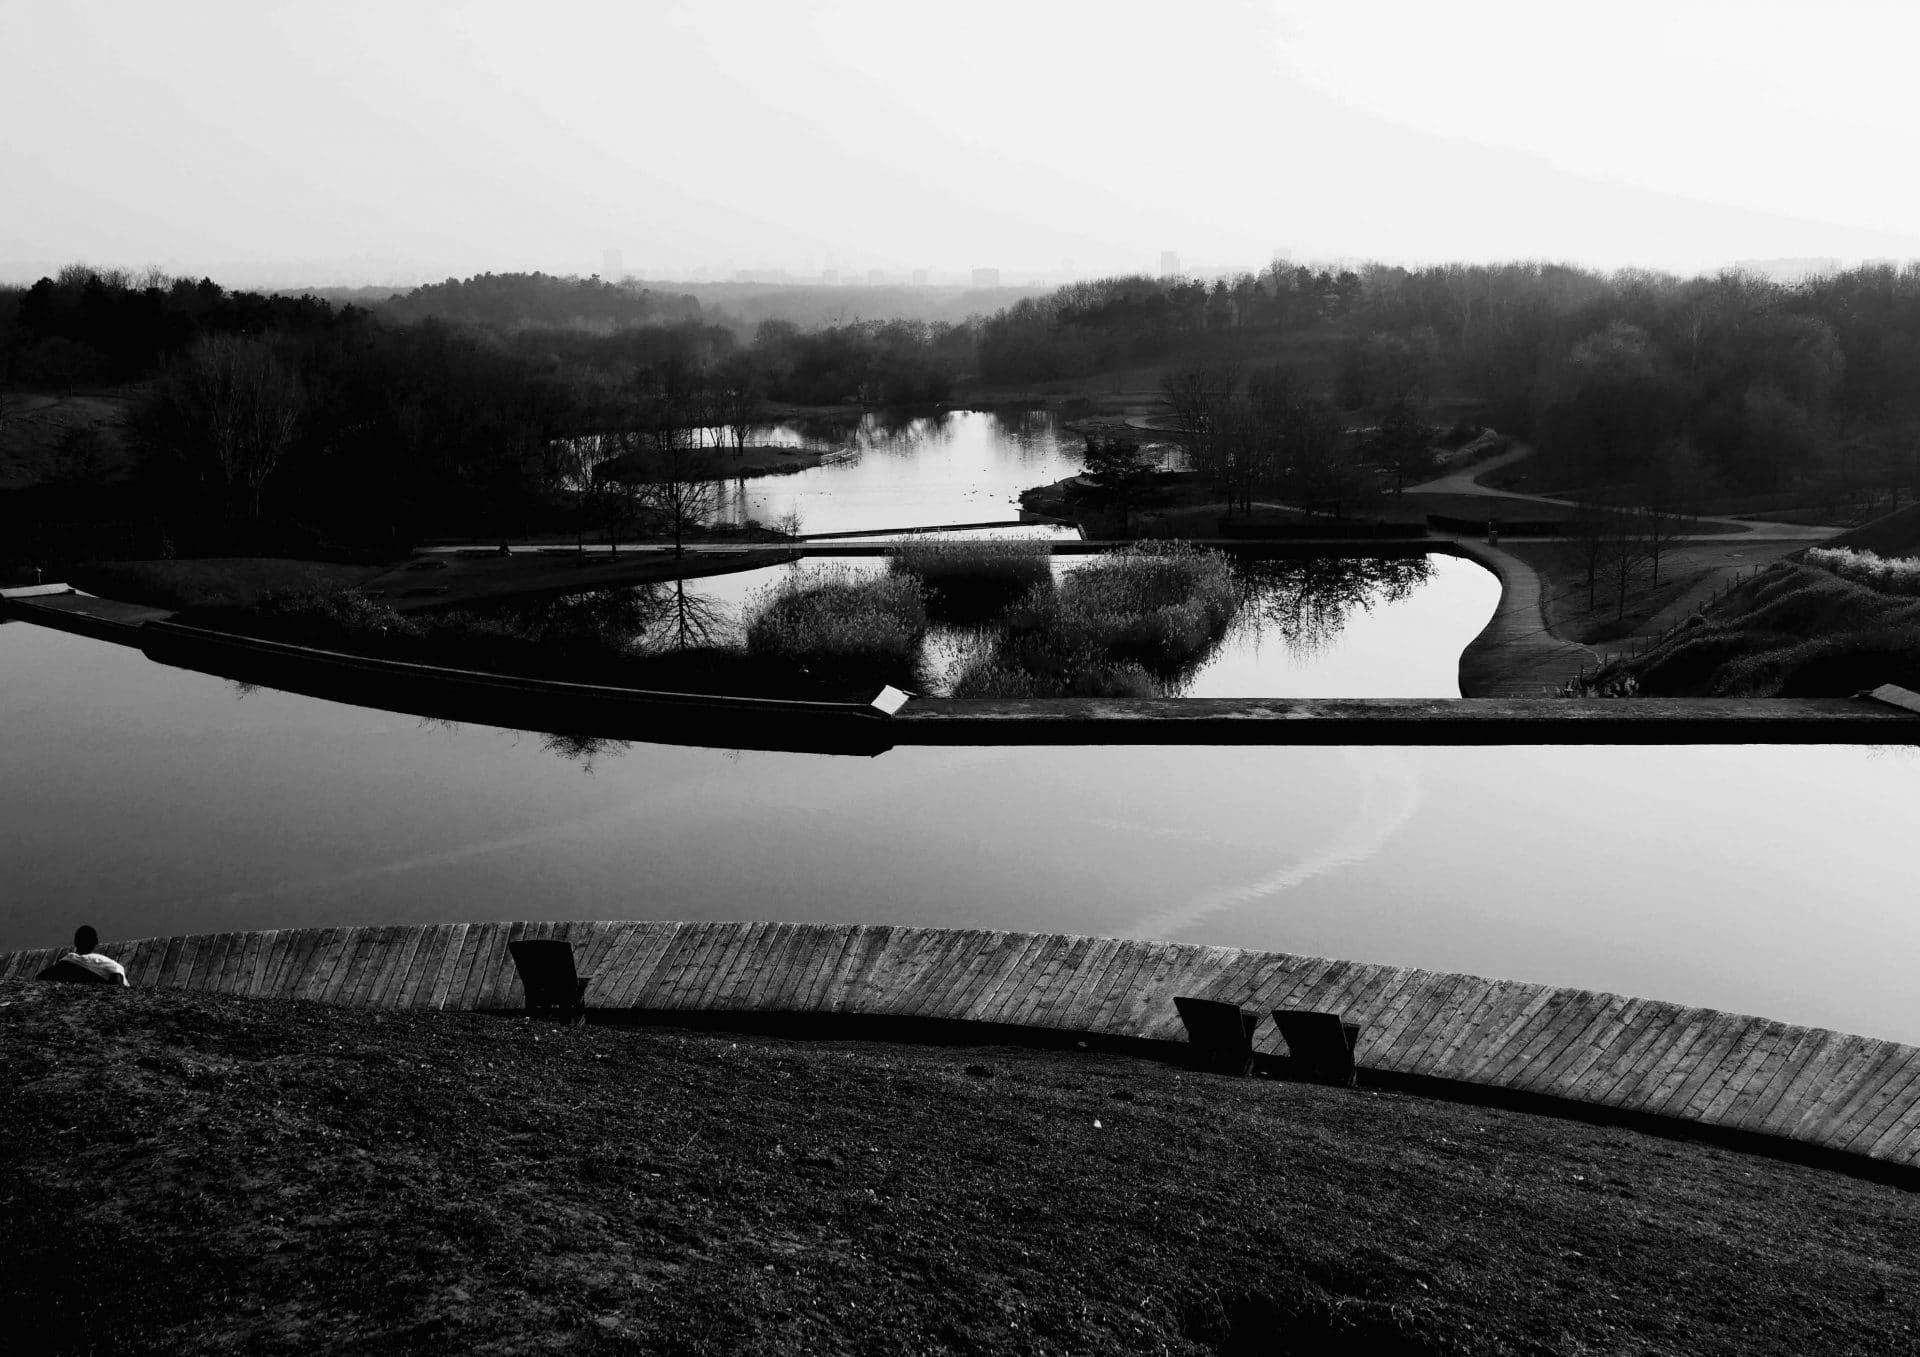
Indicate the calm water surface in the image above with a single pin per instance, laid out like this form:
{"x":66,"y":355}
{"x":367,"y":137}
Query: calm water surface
{"x":1763,"y":880}
{"x":1307,"y":630}
{"x":963,"y":466}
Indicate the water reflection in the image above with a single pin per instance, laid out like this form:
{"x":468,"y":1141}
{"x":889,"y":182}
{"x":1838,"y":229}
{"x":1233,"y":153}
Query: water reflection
{"x":1309,"y":601}
{"x":665,"y":615}
{"x":584,"y":750}
{"x":905,"y":468}
{"x":1354,"y":627}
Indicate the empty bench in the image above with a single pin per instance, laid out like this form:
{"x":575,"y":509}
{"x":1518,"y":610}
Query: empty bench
{"x":547,"y":975}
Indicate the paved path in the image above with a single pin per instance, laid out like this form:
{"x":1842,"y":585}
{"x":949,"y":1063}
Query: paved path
{"x":1466,"y":481}
{"x":1836,"y":1093}
{"x":1516,"y":654}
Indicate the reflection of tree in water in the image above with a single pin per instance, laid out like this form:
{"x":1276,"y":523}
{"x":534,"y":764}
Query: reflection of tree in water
{"x":658,"y":616}
{"x":678,"y":620}
{"x":582,"y":749}
{"x":1308,"y":601}
{"x":898,"y":429}
{"x":1024,"y":427}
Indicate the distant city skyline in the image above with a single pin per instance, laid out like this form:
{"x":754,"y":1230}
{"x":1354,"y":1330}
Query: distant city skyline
{"x":349,"y":143}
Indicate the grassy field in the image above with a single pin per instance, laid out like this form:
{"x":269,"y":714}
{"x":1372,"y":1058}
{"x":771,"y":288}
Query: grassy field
{"x":48,"y":436}
{"x":211,"y":1174}
{"x":228,"y":581}
{"x":1690,"y":572}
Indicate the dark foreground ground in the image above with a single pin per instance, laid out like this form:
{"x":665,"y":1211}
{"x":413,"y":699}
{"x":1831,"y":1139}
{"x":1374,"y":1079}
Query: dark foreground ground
{"x":185,"y":1172}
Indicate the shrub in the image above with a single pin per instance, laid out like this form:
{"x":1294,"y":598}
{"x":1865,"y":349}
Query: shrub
{"x":1161,"y":604}
{"x":1792,"y":631}
{"x":970,"y":579}
{"x":995,"y":677}
{"x":1889,"y":575}
{"x":311,"y":617}
{"x":831,"y":618}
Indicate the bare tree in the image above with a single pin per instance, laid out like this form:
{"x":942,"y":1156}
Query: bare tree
{"x":227,"y":412}
{"x":1199,"y":397}
{"x":736,"y":404}
{"x":1589,"y":533}
{"x":675,"y":488}
{"x":1627,"y":545}
{"x":1404,"y":442}
{"x":1670,"y":498}
{"x":667,"y":476}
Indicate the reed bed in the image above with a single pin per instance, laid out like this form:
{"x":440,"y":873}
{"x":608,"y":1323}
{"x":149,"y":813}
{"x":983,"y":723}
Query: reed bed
{"x":833,"y":617}
{"x":1128,"y":624}
{"x":972,"y":579}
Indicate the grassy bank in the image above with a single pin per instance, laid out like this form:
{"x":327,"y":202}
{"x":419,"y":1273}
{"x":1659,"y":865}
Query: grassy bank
{"x":203,"y":1173}
{"x":216,"y":582}
{"x":656,"y":636}
{"x":729,"y":463}
{"x":1791,"y":631}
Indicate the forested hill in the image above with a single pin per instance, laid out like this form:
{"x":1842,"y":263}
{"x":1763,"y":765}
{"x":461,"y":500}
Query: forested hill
{"x":516,"y":300}
{"x":816,"y":305}
{"x":512,"y":301}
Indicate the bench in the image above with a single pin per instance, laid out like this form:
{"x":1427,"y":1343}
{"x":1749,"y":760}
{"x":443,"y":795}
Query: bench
{"x":1220,"y":1033}
{"x":547,"y":975}
{"x":1320,"y":1045}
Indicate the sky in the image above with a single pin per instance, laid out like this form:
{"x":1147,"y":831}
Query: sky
{"x":330,"y":141}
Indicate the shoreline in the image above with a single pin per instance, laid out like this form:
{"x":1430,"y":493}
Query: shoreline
{"x":856,"y":728}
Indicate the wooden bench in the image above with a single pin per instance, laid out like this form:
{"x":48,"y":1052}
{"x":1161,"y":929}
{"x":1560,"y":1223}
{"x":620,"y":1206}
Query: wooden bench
{"x":1220,"y":1033}
{"x":1320,"y":1045}
{"x":546,"y":973}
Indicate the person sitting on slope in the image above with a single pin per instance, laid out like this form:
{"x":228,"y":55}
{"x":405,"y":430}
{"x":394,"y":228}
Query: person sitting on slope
{"x":84,"y":964}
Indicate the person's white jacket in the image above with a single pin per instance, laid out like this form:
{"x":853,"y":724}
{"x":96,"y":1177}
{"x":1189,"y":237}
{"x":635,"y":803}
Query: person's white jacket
{"x":105,"y":967}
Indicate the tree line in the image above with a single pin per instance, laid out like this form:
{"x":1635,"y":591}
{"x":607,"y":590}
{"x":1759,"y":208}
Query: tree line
{"x":438,"y":411}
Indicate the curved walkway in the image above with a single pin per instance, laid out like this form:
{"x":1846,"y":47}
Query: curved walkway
{"x":1834,"y":1093}
{"x":1466,"y":481}
{"x":1516,"y":654}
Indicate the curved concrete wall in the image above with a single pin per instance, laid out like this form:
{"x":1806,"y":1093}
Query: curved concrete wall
{"x":1837,"y":1093}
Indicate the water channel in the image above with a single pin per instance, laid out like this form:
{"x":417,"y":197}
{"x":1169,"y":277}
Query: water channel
{"x":1765,"y":880}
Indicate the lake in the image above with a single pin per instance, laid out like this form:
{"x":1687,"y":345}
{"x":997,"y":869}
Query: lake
{"x":1765,"y":880}
{"x":1777,"y":881}
{"x":962,"y":466}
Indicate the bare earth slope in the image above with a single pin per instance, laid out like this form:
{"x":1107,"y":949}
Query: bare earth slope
{"x":189,"y":1172}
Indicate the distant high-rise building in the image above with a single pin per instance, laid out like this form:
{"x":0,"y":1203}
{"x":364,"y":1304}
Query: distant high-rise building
{"x":1283,"y":256}
{"x":919,"y":277}
{"x":611,"y":265}
{"x":830,"y":277}
{"x":986,"y":277}
{"x":875,"y":277}
{"x":1169,"y":264}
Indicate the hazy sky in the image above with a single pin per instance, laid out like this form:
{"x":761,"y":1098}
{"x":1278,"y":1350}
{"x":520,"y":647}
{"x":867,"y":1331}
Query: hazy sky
{"x":322,"y":139}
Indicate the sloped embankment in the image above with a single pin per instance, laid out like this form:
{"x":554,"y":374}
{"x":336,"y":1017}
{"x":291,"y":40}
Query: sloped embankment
{"x":1793,"y":630}
{"x":192,"y":1172}
{"x":1895,"y":534}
